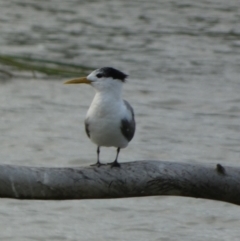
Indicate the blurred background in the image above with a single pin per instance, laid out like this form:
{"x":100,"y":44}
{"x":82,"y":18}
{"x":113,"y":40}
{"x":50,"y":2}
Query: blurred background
{"x":183,"y":61}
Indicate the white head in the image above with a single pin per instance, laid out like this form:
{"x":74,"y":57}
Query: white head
{"x":106,"y":79}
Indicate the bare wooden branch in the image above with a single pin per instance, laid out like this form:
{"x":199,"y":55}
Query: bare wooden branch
{"x":133,"y":179}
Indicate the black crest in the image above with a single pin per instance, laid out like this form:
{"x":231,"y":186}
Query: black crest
{"x":114,"y":73}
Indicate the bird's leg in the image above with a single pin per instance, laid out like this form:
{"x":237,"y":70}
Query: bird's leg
{"x":98,"y":164}
{"x":115,"y":163}
{"x":98,"y":153}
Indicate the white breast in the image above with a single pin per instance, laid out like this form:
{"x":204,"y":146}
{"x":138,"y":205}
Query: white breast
{"x":104,"y":118}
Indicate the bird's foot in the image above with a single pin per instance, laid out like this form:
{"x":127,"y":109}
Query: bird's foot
{"x":97,"y":164}
{"x":114,"y":164}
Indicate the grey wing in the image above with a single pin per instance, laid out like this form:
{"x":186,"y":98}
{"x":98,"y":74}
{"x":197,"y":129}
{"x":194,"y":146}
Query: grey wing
{"x":87,"y":127}
{"x":128,"y":126}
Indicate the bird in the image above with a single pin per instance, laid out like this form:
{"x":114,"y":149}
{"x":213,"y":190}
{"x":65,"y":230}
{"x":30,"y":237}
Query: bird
{"x":110,"y":120}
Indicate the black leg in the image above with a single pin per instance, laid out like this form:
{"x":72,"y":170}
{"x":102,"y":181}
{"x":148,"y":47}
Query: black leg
{"x":115,"y":163}
{"x":98,"y":153}
{"x":98,"y":164}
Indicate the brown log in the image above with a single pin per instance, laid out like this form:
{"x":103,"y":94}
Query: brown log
{"x":132,"y":179}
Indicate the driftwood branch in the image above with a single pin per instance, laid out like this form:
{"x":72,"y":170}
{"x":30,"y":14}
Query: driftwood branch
{"x":133,"y":179}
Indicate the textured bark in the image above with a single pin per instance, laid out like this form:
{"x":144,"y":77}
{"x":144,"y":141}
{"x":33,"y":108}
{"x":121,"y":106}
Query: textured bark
{"x":133,"y":179}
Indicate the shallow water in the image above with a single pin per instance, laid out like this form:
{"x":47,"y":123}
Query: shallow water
{"x":183,"y":61}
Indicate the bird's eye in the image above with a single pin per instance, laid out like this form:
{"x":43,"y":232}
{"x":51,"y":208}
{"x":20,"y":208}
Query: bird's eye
{"x":99,"y":75}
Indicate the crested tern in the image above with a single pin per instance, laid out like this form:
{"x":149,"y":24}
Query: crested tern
{"x":110,"y":119}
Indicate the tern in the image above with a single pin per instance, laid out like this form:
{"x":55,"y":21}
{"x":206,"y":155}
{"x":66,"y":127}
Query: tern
{"x":110,"y":119}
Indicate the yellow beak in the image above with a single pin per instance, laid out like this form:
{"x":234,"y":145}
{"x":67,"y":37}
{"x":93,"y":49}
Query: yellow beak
{"x":82,"y":80}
